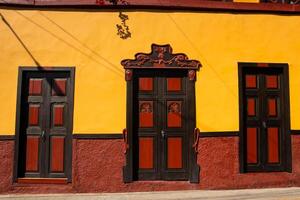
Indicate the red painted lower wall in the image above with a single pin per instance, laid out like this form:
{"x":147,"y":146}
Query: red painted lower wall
{"x":219,"y":161}
{"x":6,"y":164}
{"x":6,"y":175}
{"x":97,"y":167}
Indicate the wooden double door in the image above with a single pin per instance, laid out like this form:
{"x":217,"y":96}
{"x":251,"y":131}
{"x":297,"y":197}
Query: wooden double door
{"x":162,"y":125}
{"x":265,"y":104}
{"x":44,"y":135}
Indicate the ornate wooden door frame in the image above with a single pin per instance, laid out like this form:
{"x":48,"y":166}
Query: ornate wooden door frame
{"x":161,"y":57}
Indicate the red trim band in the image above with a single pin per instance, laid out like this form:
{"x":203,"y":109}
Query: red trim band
{"x":162,"y":4}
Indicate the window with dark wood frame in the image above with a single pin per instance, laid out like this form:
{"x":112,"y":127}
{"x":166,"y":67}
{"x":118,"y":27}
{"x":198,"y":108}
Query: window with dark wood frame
{"x":265,"y":143}
{"x":44,"y":123}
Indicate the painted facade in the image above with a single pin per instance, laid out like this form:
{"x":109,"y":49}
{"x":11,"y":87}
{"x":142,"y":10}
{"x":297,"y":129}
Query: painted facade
{"x":86,"y":40}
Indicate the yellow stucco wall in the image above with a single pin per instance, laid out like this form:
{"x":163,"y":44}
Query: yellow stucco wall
{"x":88,"y":41}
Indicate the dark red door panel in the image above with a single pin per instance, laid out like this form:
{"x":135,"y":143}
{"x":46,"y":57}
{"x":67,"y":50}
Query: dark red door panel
{"x":264,"y":125}
{"x":44,"y":126}
{"x":161,"y":129}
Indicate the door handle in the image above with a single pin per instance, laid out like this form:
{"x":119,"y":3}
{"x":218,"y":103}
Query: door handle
{"x":163,"y":134}
{"x":43,"y":136}
{"x":264,"y":124}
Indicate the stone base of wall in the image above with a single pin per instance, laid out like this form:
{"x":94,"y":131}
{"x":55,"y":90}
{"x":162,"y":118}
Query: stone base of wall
{"x":97,"y":167}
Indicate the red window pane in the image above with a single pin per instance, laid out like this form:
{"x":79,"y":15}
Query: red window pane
{"x":251,"y":145}
{"x":272,"y":107}
{"x":32,"y":153}
{"x":251,"y":81}
{"x":173,"y":84}
{"x":251,"y":106}
{"x":273,"y":145}
{"x":146,"y":113}
{"x":272,"y":81}
{"x":58,"y":115}
{"x":174,"y":152}
{"x":34,"y":115}
{"x":35,"y":86}
{"x":57,"y":154}
{"x":145,"y":153}
{"x":145,"y":84}
{"x":174,"y":113}
{"x":59,"y":87}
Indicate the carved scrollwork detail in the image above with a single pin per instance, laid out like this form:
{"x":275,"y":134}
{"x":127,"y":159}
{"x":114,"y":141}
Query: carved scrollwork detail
{"x":128,"y":74}
{"x":282,"y":1}
{"x":196,"y":139}
{"x":274,"y":1}
{"x":174,"y":107}
{"x":125,"y":140}
{"x":295,"y":2}
{"x":161,"y":57}
{"x":192,"y":75}
{"x":146,"y":107}
{"x":123,"y":28}
{"x":139,"y":61}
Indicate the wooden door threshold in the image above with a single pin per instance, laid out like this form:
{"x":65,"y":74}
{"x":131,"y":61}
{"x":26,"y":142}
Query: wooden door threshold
{"x":43,"y":180}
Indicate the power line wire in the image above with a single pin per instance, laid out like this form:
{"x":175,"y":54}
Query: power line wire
{"x":68,"y":44}
{"x":81,"y":43}
{"x":203,"y":58}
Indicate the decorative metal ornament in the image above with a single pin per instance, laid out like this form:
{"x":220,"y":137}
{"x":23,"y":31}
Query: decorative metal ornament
{"x":123,"y":28}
